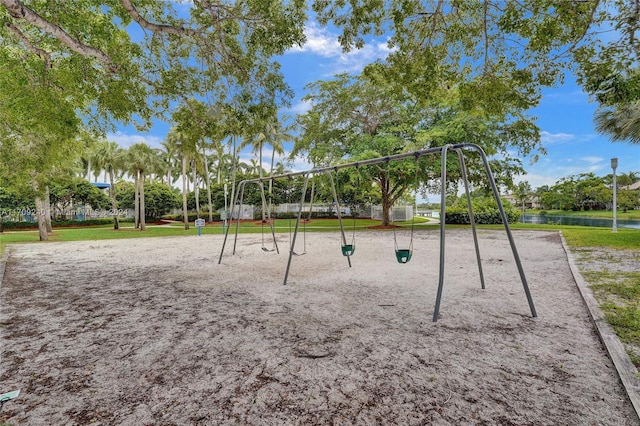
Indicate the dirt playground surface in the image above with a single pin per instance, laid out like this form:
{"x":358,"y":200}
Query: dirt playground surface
{"x":154,"y":331}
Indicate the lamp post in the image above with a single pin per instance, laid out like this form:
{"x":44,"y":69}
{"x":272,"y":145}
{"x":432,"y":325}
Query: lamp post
{"x":614,"y":165}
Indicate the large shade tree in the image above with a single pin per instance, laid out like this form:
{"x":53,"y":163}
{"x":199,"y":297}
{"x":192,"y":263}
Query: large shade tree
{"x":501,"y":50}
{"x":360,"y":117}
{"x":126,"y":60}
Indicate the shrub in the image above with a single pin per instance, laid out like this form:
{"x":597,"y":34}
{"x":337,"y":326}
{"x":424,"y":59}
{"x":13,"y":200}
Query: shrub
{"x":485,"y":211}
{"x":191,"y":217}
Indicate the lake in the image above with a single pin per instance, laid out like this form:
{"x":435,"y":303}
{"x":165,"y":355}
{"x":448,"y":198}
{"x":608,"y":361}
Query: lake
{"x":578,"y":220}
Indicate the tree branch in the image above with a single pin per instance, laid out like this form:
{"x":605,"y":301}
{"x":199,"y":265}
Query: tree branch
{"x":485,"y":32}
{"x":19,"y":11}
{"x":156,"y":28}
{"x":40,"y":52}
{"x":583,"y":34}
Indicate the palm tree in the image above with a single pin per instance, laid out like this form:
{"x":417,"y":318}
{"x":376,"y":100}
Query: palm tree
{"x":182,"y":147}
{"x":111,"y":157}
{"x":141,"y":159}
{"x":276,"y":135}
{"x":620,"y":121}
{"x":207,"y":175}
{"x":88,"y":155}
{"x":254,"y":167}
{"x":522,"y":193}
{"x":170,"y":159}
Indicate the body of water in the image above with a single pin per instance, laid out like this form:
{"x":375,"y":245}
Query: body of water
{"x":578,"y":221}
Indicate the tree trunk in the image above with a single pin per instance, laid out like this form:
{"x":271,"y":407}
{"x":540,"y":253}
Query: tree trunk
{"x":233,"y":176}
{"x":185,"y":214}
{"x":273,"y":157}
{"x":114,"y":202}
{"x":385,"y":199}
{"x":47,"y":211}
{"x":141,"y":197}
{"x":40,"y":212}
{"x":136,"y":201}
{"x":169,"y":173}
{"x":208,"y":181}
{"x":88,"y":176}
{"x":196,"y":189}
{"x":264,"y":201}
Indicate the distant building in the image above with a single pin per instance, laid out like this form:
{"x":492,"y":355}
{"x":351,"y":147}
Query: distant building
{"x":632,"y":187}
{"x":532,"y":201}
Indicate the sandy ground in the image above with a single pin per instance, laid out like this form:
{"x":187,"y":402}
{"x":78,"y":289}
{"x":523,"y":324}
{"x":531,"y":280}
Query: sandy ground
{"x":155,"y":332}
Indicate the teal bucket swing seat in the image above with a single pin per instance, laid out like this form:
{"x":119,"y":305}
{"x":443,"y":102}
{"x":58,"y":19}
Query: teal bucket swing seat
{"x":403,"y":255}
{"x":348,"y":249}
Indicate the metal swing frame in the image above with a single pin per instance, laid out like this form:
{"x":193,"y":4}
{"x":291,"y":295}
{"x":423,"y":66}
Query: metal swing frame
{"x":459,"y":149}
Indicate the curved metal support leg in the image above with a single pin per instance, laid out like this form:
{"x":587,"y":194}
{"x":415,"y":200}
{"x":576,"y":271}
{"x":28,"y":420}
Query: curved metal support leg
{"x":295,"y":232}
{"x":241,"y":191}
{"x":443,"y":209}
{"x":264,"y":204}
{"x":505,"y":221}
{"x":226,"y":233}
{"x":463,"y":168}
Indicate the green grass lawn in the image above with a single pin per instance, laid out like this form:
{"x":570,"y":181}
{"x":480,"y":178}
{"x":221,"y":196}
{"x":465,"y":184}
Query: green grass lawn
{"x":177,"y":229}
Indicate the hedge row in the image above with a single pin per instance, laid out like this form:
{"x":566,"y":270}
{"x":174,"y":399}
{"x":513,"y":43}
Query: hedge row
{"x":294,"y":215}
{"x":191,"y":217}
{"x":257,"y":215}
{"x":485,"y":218}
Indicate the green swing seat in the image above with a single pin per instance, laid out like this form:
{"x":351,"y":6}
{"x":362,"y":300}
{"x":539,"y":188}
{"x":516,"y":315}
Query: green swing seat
{"x":348,"y":249}
{"x":403,"y":255}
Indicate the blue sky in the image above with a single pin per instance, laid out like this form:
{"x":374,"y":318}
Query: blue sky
{"x":565,"y":115}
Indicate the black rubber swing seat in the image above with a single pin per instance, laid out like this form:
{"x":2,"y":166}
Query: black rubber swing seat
{"x":403,"y":256}
{"x":348,"y":249}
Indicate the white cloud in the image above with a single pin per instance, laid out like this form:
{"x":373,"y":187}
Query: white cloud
{"x":319,"y":42}
{"x":300,"y":108}
{"x":573,"y":97}
{"x":537,"y":180}
{"x":300,"y":164}
{"x":322,"y":42}
{"x":551,"y":138}
{"x":593,"y":160}
{"x":126,"y":140}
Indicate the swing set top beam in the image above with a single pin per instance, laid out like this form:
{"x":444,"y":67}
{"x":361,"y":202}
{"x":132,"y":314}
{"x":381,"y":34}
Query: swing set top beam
{"x":387,"y":159}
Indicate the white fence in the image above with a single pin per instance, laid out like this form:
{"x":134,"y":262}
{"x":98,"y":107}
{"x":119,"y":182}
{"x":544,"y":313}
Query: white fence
{"x":397,"y":213}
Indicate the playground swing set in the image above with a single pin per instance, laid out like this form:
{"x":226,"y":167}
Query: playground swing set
{"x":403,"y":255}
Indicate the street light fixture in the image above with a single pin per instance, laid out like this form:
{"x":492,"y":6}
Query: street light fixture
{"x":614,"y":166}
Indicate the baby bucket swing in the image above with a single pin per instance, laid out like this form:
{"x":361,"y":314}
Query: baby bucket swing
{"x":403,"y":255}
{"x":267,"y":219}
{"x":348,"y":249}
{"x":304,"y":223}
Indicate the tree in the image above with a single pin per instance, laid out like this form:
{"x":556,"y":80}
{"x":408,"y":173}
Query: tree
{"x":620,"y":121}
{"x":113,"y":74}
{"x":275,"y":135}
{"x":175,"y":144}
{"x":502,"y":52}
{"x":522,"y":193}
{"x":67,"y":191}
{"x":58,"y":63}
{"x":366,"y":116}
{"x":141,"y":160}
{"x":111,"y":157}
{"x":160,"y":198}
